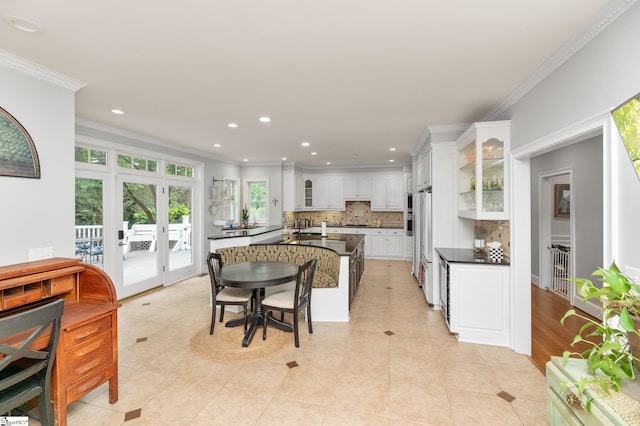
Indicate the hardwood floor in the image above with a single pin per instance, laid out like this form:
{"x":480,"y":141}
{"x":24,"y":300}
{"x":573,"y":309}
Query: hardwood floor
{"x":548,"y":336}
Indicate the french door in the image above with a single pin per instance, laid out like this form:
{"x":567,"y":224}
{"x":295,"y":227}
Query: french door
{"x":180,"y":205}
{"x":140,"y":214}
{"x":155,"y":217}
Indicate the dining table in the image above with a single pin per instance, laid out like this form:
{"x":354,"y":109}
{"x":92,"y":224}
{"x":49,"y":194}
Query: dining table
{"x":258,"y":275}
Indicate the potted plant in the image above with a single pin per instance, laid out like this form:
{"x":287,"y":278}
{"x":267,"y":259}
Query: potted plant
{"x":612,"y":341}
{"x":245,"y":217}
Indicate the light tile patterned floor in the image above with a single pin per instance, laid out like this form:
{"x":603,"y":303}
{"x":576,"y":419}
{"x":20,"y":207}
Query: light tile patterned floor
{"x":348,"y":374}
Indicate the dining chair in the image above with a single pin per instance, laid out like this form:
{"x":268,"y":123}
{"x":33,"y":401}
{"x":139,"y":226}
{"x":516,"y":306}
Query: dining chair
{"x":25,"y":372}
{"x":293,"y":301}
{"x":222,"y":295}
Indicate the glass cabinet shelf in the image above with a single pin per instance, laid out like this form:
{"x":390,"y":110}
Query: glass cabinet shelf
{"x":482,"y":178}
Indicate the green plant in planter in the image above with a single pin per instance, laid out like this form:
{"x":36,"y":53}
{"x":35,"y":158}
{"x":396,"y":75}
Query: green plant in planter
{"x":609,"y":358}
{"x":245,"y":215}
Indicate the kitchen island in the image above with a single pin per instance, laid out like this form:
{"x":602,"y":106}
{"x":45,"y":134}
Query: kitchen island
{"x":327,"y":304}
{"x":474,"y":296}
{"x":350,"y":247}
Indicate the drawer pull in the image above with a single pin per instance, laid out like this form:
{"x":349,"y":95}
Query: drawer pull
{"x":91,"y":383}
{"x":574,"y":401}
{"x":86,"y":334}
{"x":88,"y":366}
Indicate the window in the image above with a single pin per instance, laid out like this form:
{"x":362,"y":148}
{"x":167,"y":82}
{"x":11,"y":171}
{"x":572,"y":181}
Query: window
{"x":257,"y":194}
{"x":137,"y":163}
{"x":230,"y":199}
{"x":179,"y":170}
{"x":91,"y":156}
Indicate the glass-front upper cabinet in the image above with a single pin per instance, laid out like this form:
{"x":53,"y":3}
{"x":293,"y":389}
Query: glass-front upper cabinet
{"x":308,"y":193}
{"x":482,"y":171}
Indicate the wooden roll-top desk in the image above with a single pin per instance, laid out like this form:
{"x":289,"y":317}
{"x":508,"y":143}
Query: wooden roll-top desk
{"x":87,"y":353}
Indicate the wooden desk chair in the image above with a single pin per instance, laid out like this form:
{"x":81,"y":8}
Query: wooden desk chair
{"x":222,"y":295}
{"x":293,"y":301}
{"x":25,"y":373}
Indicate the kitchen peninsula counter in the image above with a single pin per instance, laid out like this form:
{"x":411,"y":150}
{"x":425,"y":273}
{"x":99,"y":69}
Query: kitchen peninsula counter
{"x":243,"y":237}
{"x":474,"y":295}
{"x":343,"y":244}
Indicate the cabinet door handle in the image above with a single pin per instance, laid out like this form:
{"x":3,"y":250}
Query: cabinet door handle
{"x":574,"y":401}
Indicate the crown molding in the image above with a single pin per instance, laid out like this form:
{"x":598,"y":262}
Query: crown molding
{"x":607,"y":15}
{"x":32,"y":69}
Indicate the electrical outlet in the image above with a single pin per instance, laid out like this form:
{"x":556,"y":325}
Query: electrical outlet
{"x":632,"y":273}
{"x":40,"y":253}
{"x":357,"y":212}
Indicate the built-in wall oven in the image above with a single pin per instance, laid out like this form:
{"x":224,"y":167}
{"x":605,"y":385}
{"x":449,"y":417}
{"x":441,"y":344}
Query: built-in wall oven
{"x":444,"y":289}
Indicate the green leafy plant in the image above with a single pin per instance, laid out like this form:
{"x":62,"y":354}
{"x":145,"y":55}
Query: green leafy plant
{"x":245,"y":213}
{"x":608,"y":358}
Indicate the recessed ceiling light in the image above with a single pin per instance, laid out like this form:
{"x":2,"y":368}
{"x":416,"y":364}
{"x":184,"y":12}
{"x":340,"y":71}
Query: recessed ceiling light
{"x":232,"y":125}
{"x":392,"y":149}
{"x":328,"y":162}
{"x":391,"y":161}
{"x":216,"y":145}
{"x":23,"y":24}
{"x":305,"y":144}
{"x":245,"y":159}
{"x":117,"y":111}
{"x":314,"y":153}
{"x":284,"y":158}
{"x":265,"y":119}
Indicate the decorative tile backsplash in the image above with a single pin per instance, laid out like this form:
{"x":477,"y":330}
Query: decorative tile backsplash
{"x":497,"y":231}
{"x":355,"y":212}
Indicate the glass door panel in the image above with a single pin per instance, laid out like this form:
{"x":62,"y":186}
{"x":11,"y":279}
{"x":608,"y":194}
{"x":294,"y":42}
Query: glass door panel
{"x":89,"y":229}
{"x":180,"y":230}
{"x":141,"y":270}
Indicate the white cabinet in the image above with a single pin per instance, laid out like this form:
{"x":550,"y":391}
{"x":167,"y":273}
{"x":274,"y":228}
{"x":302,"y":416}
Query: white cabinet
{"x":328,"y":193}
{"x":479,"y":303}
{"x":408,"y":247}
{"x":482,"y":171}
{"x":309,"y":189}
{"x":388,"y":192}
{"x":423,"y":172}
{"x":292,"y":190}
{"x":387,"y":243}
{"x":357,"y":186}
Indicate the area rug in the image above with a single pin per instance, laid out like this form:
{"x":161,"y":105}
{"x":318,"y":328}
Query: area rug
{"x":225,"y":346}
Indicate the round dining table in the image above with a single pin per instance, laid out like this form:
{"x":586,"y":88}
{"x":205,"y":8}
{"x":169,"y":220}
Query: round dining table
{"x":258,"y":275}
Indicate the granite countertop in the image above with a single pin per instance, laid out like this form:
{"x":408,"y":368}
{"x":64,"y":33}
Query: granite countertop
{"x":343,"y":244}
{"x":359,"y":226}
{"x":463,"y":255}
{"x":248,"y":232}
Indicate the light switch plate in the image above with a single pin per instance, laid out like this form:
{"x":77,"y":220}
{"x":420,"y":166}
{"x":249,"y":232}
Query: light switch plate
{"x":40,"y":253}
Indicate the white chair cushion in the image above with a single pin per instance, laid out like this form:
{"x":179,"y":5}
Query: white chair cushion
{"x":229,"y":294}
{"x":281,"y":299}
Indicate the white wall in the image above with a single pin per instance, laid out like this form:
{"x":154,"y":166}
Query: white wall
{"x":599,"y":77}
{"x":38,"y":213}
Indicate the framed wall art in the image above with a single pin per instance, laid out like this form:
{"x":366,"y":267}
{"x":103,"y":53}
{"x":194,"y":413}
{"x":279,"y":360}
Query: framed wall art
{"x":18,"y":155}
{"x":562,"y":200}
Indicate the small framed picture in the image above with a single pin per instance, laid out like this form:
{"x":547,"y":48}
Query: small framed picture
{"x":562,"y":200}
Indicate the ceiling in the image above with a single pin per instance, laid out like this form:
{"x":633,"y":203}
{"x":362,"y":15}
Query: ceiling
{"x":354,"y":78}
